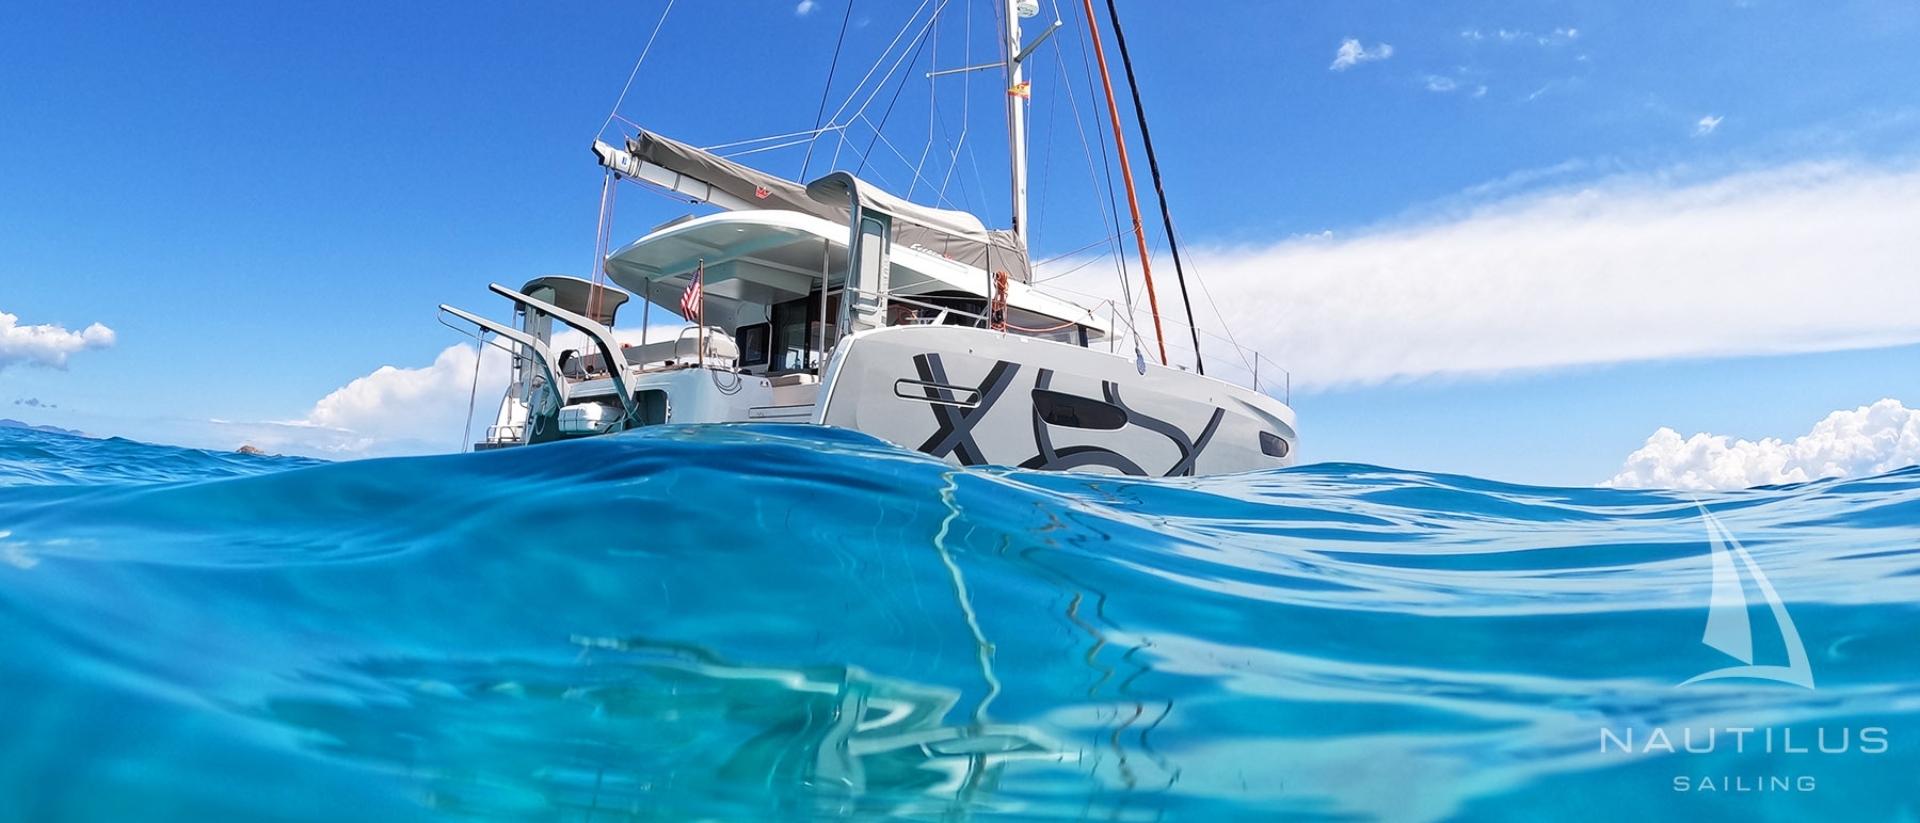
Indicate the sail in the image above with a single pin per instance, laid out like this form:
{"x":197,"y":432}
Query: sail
{"x":952,"y":234}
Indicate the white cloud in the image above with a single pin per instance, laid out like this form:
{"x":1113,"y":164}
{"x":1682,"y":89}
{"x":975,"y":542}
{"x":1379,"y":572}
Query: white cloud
{"x":1865,"y":441}
{"x":1706,"y":125}
{"x":397,"y":410}
{"x":426,"y":404}
{"x":390,"y":411}
{"x":1801,"y":259}
{"x":805,"y":8}
{"x":1438,"y":83}
{"x":1351,"y":53}
{"x":1557,"y":37}
{"x":46,"y":344}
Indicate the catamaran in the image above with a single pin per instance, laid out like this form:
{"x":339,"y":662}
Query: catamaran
{"x":834,"y":303}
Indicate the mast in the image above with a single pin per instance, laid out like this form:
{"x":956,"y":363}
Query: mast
{"x":1016,"y":111}
{"x":1126,"y":174}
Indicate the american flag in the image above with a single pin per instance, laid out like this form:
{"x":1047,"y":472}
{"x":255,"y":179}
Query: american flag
{"x":691,"y":302}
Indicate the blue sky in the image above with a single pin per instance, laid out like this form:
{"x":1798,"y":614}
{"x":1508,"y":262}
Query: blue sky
{"x":1503,"y":241}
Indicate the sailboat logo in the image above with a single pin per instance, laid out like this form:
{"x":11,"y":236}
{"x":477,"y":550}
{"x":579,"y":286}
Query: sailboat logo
{"x":1728,"y":629}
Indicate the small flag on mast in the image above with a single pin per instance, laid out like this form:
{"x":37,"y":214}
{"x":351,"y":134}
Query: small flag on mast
{"x":1022,"y":90}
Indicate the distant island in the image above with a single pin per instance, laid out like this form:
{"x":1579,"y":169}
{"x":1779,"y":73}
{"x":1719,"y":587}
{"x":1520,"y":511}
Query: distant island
{"x":8,"y":423}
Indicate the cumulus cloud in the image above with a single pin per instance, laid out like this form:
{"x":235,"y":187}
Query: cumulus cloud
{"x":420,"y":404}
{"x":1706,"y":125}
{"x":805,"y":8}
{"x":416,"y":410}
{"x":1801,"y":259}
{"x":1351,"y":53}
{"x":390,"y":411}
{"x":1865,"y":441}
{"x":1438,"y":83}
{"x":46,"y":344}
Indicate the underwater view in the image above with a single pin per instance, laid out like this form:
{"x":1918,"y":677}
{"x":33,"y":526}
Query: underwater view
{"x":741,"y":623}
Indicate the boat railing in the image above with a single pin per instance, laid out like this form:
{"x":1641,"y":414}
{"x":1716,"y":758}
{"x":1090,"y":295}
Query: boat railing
{"x":1229,"y":360}
{"x":1225,"y":358}
{"x":940,"y":313}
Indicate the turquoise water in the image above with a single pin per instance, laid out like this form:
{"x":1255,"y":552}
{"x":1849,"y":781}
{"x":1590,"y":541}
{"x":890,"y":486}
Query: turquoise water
{"x":765,"y":623}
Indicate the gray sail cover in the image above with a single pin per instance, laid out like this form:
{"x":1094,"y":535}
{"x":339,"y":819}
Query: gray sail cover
{"x":952,"y":234}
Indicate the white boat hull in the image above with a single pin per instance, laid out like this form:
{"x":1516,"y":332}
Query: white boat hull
{"x":978,"y":397}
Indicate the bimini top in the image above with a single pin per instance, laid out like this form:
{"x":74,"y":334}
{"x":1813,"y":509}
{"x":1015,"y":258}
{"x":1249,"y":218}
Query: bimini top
{"x":766,"y":257}
{"x":955,"y":235}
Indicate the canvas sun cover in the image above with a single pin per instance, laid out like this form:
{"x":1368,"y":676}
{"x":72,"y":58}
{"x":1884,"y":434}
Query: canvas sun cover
{"x":953,"y":234}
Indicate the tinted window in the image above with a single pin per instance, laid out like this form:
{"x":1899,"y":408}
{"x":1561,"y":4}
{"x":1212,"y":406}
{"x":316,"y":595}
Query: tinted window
{"x":1078,"y":412}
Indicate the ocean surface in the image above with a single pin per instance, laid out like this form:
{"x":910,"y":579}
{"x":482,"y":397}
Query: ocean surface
{"x":739,"y":623}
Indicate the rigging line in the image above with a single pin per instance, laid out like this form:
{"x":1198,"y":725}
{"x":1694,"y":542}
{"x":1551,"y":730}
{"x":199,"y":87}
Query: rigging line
{"x":1064,"y":255}
{"x":919,"y":41}
{"x":828,"y":88}
{"x":896,"y":99}
{"x":636,"y":68}
{"x":473,"y":394}
{"x":1110,"y":218}
{"x":953,"y":164}
{"x":1126,"y":176}
{"x":814,"y":131}
{"x":774,"y":147}
{"x":601,"y":230}
{"x":1153,"y":165}
{"x":860,"y":112}
{"x":897,"y":153}
{"x":1217,"y":315}
{"x":876,"y":65}
{"x":933,"y":112}
{"x":636,"y":126}
{"x":1046,"y":177}
{"x":966,"y":121}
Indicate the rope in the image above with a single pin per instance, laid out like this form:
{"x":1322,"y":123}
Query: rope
{"x":636,"y":68}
